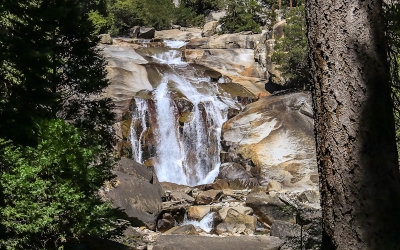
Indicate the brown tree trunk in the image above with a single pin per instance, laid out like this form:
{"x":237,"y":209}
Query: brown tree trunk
{"x":354,"y":125}
{"x":280,"y":4}
{"x":291,"y":4}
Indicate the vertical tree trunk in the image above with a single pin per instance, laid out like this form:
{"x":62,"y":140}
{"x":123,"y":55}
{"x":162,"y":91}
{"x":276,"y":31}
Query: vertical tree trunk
{"x":280,"y":4}
{"x":291,"y":4}
{"x":354,"y":125}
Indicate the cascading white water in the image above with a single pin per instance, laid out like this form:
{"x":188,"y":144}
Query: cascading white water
{"x":171,"y":57}
{"x":169,"y":166}
{"x":206,"y":224}
{"x":174,"y":44}
{"x":138,"y":128}
{"x":189,"y":155}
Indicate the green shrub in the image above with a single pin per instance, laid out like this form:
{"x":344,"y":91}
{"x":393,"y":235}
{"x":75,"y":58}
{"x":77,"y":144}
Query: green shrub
{"x":124,"y":14}
{"x":242,"y":16}
{"x":185,"y":16}
{"x":100,"y":22}
{"x":191,"y":13}
{"x":291,"y":50}
{"x":51,"y":190}
{"x":203,"y":6}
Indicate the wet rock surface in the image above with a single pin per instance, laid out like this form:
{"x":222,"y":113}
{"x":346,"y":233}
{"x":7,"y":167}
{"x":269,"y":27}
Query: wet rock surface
{"x":237,"y":176}
{"x":230,"y":214}
{"x":136,"y":191}
{"x":267,"y":182}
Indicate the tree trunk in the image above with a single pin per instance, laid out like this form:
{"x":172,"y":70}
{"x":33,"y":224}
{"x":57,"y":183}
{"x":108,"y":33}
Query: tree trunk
{"x":354,"y":125}
{"x":280,"y":4}
{"x":291,"y":4}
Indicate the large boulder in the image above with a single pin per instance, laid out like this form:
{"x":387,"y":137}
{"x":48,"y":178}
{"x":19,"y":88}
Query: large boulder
{"x":270,"y":208}
{"x":209,"y":28}
{"x":236,"y":175}
{"x":237,"y":222}
{"x":105,"y":39}
{"x":134,"y":32}
{"x":177,"y":34}
{"x":171,"y":187}
{"x":278,"y":30}
{"x":276,"y":134}
{"x":189,"y":242}
{"x":310,"y":220}
{"x":215,"y":15}
{"x":226,"y":41}
{"x":232,"y":55}
{"x":198,"y":212}
{"x":165,"y":223}
{"x":141,"y":32}
{"x":183,"y":230}
{"x":289,"y":232}
{"x":127,"y":76}
{"x":146,"y":33}
{"x":136,"y":191}
{"x":239,"y":209}
{"x":236,"y":62}
{"x":208,"y":197}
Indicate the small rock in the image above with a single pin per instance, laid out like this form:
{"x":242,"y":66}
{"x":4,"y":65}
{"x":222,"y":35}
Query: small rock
{"x":228,"y":229}
{"x":309,"y":196}
{"x":180,"y":196}
{"x":198,"y":212}
{"x":175,"y":187}
{"x":278,"y":29}
{"x":105,"y":39}
{"x":237,"y":223}
{"x":289,"y":232}
{"x":220,"y":185}
{"x":218,"y":29}
{"x":209,"y":28}
{"x":204,"y":187}
{"x":183,"y":230}
{"x":270,"y":208}
{"x":240,"y":209}
{"x":195,"y":192}
{"x":236,"y":174}
{"x":166,"y":222}
{"x":146,"y":33}
{"x":207,"y":197}
{"x":311,"y":221}
{"x":309,"y":215}
{"x":134,"y":32}
{"x":274,"y":186}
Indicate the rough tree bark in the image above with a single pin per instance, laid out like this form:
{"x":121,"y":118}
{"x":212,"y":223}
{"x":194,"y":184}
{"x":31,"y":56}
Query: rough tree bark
{"x":354,"y":125}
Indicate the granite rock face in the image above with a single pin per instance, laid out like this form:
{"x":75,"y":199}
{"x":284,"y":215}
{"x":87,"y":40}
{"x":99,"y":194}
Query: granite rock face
{"x":186,"y":242}
{"x":276,"y":133}
{"x":136,"y":191}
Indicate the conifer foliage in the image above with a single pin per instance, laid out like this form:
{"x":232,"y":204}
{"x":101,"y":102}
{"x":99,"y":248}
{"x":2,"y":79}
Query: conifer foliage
{"x":55,"y":127}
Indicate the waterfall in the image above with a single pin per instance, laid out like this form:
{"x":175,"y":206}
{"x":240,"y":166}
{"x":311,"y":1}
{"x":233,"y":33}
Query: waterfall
{"x":138,"y":128}
{"x":186,"y":154}
{"x":169,"y":166}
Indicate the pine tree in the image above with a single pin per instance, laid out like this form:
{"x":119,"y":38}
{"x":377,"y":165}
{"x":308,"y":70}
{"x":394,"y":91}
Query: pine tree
{"x":50,"y":68}
{"x":354,"y":125}
{"x":50,"y":192}
{"x":290,"y":51}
